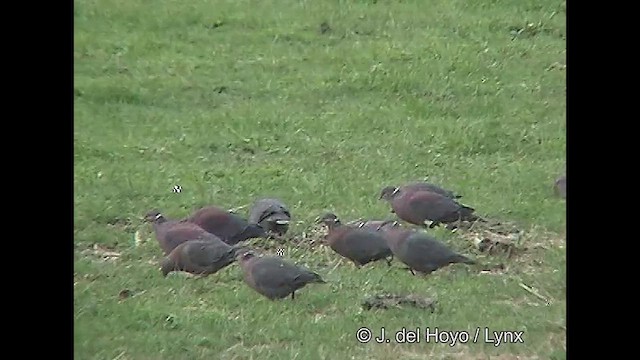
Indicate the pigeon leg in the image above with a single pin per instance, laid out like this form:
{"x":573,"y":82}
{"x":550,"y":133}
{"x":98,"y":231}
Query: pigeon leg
{"x":389,"y":260}
{"x":293,"y":295}
{"x":451,"y":226}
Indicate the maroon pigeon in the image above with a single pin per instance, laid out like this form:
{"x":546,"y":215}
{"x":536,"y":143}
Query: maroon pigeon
{"x":272,"y":214}
{"x":229,"y":227}
{"x":274,"y":277}
{"x":560,"y":187}
{"x":199,"y":257}
{"x":425,"y":186}
{"x":361,"y":245}
{"x":416,"y":207}
{"x":171,"y":233}
{"x":420,"y":251}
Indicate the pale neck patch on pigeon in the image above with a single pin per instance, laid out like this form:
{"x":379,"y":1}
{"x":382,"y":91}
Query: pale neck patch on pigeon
{"x":395,"y":191}
{"x":331,"y":223}
{"x":247,"y":256}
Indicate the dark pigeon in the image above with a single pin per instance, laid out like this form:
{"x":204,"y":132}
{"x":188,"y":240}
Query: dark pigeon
{"x":274,"y":277}
{"x":229,"y":227}
{"x":272,"y":214}
{"x":420,"y":251}
{"x":171,"y":233}
{"x":416,"y":207}
{"x":199,"y":257}
{"x":560,"y":187}
{"x":361,"y":245}
{"x":425,"y":186}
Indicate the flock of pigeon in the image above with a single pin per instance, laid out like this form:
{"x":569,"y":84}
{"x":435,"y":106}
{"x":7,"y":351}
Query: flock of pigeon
{"x":212,"y":238}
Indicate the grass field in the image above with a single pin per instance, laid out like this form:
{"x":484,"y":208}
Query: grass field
{"x":234,"y":100}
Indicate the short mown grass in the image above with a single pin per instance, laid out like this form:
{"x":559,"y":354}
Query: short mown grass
{"x":319,"y":103}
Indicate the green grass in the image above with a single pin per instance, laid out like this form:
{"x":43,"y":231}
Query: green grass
{"x":234,"y":100}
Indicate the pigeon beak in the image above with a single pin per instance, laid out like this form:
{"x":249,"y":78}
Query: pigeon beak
{"x":318,"y":220}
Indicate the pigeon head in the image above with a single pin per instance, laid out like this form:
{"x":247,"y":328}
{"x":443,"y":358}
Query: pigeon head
{"x":167,"y":265}
{"x":154,"y":216}
{"x":388,"y":224}
{"x":388,"y":193}
{"x":245,"y":255}
{"x":329,"y":219}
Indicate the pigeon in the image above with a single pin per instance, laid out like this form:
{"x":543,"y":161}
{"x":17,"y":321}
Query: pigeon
{"x":560,"y":187}
{"x":272,"y":214}
{"x":416,"y":207}
{"x":229,"y":227}
{"x":274,"y":277}
{"x":420,"y":251}
{"x":425,"y":186}
{"x":171,"y":233}
{"x":199,"y":257}
{"x":361,"y":245}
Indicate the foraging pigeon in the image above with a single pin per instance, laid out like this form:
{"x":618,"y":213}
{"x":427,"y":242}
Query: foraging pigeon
{"x":199,"y":257}
{"x":171,"y":233}
{"x":560,"y":187}
{"x":361,"y":245}
{"x":425,"y":186}
{"x":272,"y":214}
{"x":420,"y":251}
{"x":416,"y":207}
{"x":274,"y":277}
{"x":229,"y":227}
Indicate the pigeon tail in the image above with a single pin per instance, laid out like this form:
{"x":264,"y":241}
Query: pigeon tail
{"x":310,"y":277}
